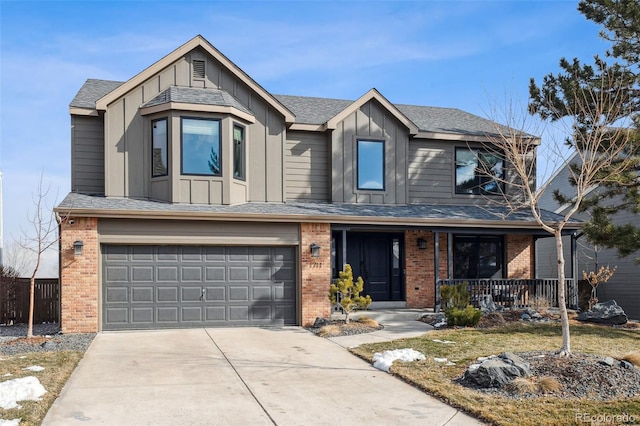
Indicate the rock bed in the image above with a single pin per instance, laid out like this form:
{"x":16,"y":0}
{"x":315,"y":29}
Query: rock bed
{"x":580,"y":375}
{"x":47,"y":338}
{"x":353,"y":328}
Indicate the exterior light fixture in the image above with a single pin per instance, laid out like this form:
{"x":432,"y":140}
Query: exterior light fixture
{"x":315,"y":250}
{"x":77,"y":248}
{"x":422,"y":243}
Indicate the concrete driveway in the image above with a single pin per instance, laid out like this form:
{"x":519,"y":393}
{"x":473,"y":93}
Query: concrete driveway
{"x":236,"y":376}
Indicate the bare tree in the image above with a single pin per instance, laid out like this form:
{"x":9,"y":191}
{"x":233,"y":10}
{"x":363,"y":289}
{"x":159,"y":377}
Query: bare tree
{"x":20,"y":260}
{"x":599,"y":149}
{"x":42,"y":236}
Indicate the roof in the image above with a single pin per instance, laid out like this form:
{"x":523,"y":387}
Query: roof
{"x":91,"y":91}
{"x":404,"y":215}
{"x":197,"y":96}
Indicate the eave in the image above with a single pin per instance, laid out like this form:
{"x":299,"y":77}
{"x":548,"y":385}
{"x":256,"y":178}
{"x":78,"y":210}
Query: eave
{"x":179,"y":106}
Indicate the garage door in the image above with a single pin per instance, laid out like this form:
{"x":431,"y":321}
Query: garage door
{"x":148,"y":287}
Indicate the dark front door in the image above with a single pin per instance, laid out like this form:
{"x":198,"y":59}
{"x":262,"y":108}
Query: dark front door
{"x":377,"y":258}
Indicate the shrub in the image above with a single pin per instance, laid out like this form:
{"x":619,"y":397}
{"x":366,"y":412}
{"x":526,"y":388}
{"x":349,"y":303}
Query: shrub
{"x":548,"y":384}
{"x":329,"y":330}
{"x":633,"y":358}
{"x":467,"y":317}
{"x":455,"y":296}
{"x":346,"y":292}
{"x":540,"y":304}
{"x":369,"y":322}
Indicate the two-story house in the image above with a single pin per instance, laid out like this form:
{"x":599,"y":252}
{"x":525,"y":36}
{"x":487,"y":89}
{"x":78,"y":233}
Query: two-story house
{"x":200,"y":199}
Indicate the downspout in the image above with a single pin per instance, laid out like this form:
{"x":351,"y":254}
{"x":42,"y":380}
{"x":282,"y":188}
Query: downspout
{"x":436,"y":260}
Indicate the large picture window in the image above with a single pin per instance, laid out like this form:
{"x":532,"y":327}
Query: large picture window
{"x":477,"y":256}
{"x":159,"y":148}
{"x":479,"y":172}
{"x":201,"y":147}
{"x":239,"y":161}
{"x":371,"y":165}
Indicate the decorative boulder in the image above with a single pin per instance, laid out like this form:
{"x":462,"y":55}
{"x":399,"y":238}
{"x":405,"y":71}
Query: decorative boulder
{"x":497,"y":371}
{"x":487,"y":304}
{"x":609,"y":313}
{"x":321,"y":322}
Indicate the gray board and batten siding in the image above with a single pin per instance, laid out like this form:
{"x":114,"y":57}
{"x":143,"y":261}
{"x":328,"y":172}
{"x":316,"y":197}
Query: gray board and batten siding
{"x":128,"y":151}
{"x":369,"y":122}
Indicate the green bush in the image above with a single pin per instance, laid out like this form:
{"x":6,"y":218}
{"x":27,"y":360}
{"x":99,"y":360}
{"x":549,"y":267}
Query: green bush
{"x":455,"y":296}
{"x":467,"y":317}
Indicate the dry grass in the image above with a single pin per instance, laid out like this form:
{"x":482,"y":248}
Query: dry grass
{"x":522,"y":385}
{"x":547,"y":384}
{"x":439,"y":380}
{"x":633,"y":358}
{"x":369,"y":322}
{"x":330,"y":330}
{"x":540,"y":304}
{"x":58,"y":366}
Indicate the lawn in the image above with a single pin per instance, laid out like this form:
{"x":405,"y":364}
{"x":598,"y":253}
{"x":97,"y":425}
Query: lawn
{"x":58,"y":366}
{"x":437,"y":379}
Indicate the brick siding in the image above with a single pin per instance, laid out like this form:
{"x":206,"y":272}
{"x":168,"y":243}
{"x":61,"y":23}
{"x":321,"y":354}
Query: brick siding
{"x":316,"y":272}
{"x":80,"y":276}
{"x":520,"y":256}
{"x":419,"y":271}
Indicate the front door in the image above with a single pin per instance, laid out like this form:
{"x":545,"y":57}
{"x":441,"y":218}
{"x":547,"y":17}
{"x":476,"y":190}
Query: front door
{"x":377,"y":258}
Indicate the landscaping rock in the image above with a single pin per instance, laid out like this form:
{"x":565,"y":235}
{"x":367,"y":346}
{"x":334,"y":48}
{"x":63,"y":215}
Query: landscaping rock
{"x":607,"y":361}
{"x":487,"y":304}
{"x":498,"y":371}
{"x":49,"y":345}
{"x":525,"y":317}
{"x":609,"y":313}
{"x":321,"y":322}
{"x":626,"y":365}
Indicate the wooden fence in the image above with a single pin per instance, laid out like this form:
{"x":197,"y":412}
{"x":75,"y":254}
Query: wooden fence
{"x":14,"y":300}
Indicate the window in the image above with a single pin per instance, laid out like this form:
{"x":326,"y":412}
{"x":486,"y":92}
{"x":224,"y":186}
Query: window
{"x":159,"y":148}
{"x":238,"y":153}
{"x":477,"y":256}
{"x":371,"y":165}
{"x":479,"y":172}
{"x":201,"y":147}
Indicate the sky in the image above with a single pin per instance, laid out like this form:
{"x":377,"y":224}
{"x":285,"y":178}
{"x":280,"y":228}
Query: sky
{"x":477,"y":56}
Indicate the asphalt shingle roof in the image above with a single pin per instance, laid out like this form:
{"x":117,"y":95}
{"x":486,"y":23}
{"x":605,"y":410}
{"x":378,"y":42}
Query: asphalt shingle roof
{"x":197,"y":96}
{"x":442,"y":215}
{"x":308,"y":110}
{"x":91,"y":91}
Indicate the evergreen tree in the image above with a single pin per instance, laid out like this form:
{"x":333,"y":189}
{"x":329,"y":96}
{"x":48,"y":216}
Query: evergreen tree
{"x":618,"y":76}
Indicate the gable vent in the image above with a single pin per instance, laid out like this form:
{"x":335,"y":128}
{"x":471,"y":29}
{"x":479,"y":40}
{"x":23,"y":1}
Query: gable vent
{"x":198,"y":68}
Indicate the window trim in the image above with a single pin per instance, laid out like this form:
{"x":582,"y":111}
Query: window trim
{"x":243,"y":149}
{"x":384,"y":166}
{"x":166,"y":147}
{"x":477,"y":188}
{"x":219,"y":121}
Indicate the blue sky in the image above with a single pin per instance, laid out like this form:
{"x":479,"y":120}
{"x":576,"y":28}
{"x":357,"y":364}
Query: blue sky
{"x":471,"y":55}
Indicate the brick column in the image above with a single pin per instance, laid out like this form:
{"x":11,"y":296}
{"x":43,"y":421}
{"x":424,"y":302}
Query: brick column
{"x":80,"y":276}
{"x":520,"y":256}
{"x":419,"y":268}
{"x":316,"y":271}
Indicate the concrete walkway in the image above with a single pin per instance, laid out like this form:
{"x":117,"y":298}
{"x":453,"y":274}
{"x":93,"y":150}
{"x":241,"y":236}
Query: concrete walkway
{"x":237,"y":376}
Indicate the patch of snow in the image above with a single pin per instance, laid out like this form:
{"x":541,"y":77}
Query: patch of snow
{"x":436,"y":359}
{"x":22,"y":389}
{"x":383,"y":361}
{"x":440,"y":324}
{"x":484,"y":358}
{"x":446,"y":342}
{"x":7,"y":375}
{"x":473,"y":367}
{"x":14,"y":422}
{"x":449,"y":363}
{"x":22,"y":357}
{"x":34,"y":368}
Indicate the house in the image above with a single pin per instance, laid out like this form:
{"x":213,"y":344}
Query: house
{"x":201,"y":199}
{"x":624,"y":285}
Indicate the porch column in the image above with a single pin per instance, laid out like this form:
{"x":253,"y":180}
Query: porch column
{"x":315,"y":271}
{"x":573,"y":289}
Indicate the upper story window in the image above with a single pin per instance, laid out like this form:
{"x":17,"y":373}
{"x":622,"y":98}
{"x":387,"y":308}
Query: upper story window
{"x":370,"y":165}
{"x":159,"y":148}
{"x":239,"y":159}
{"x":479,"y":171}
{"x":201,"y":147}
